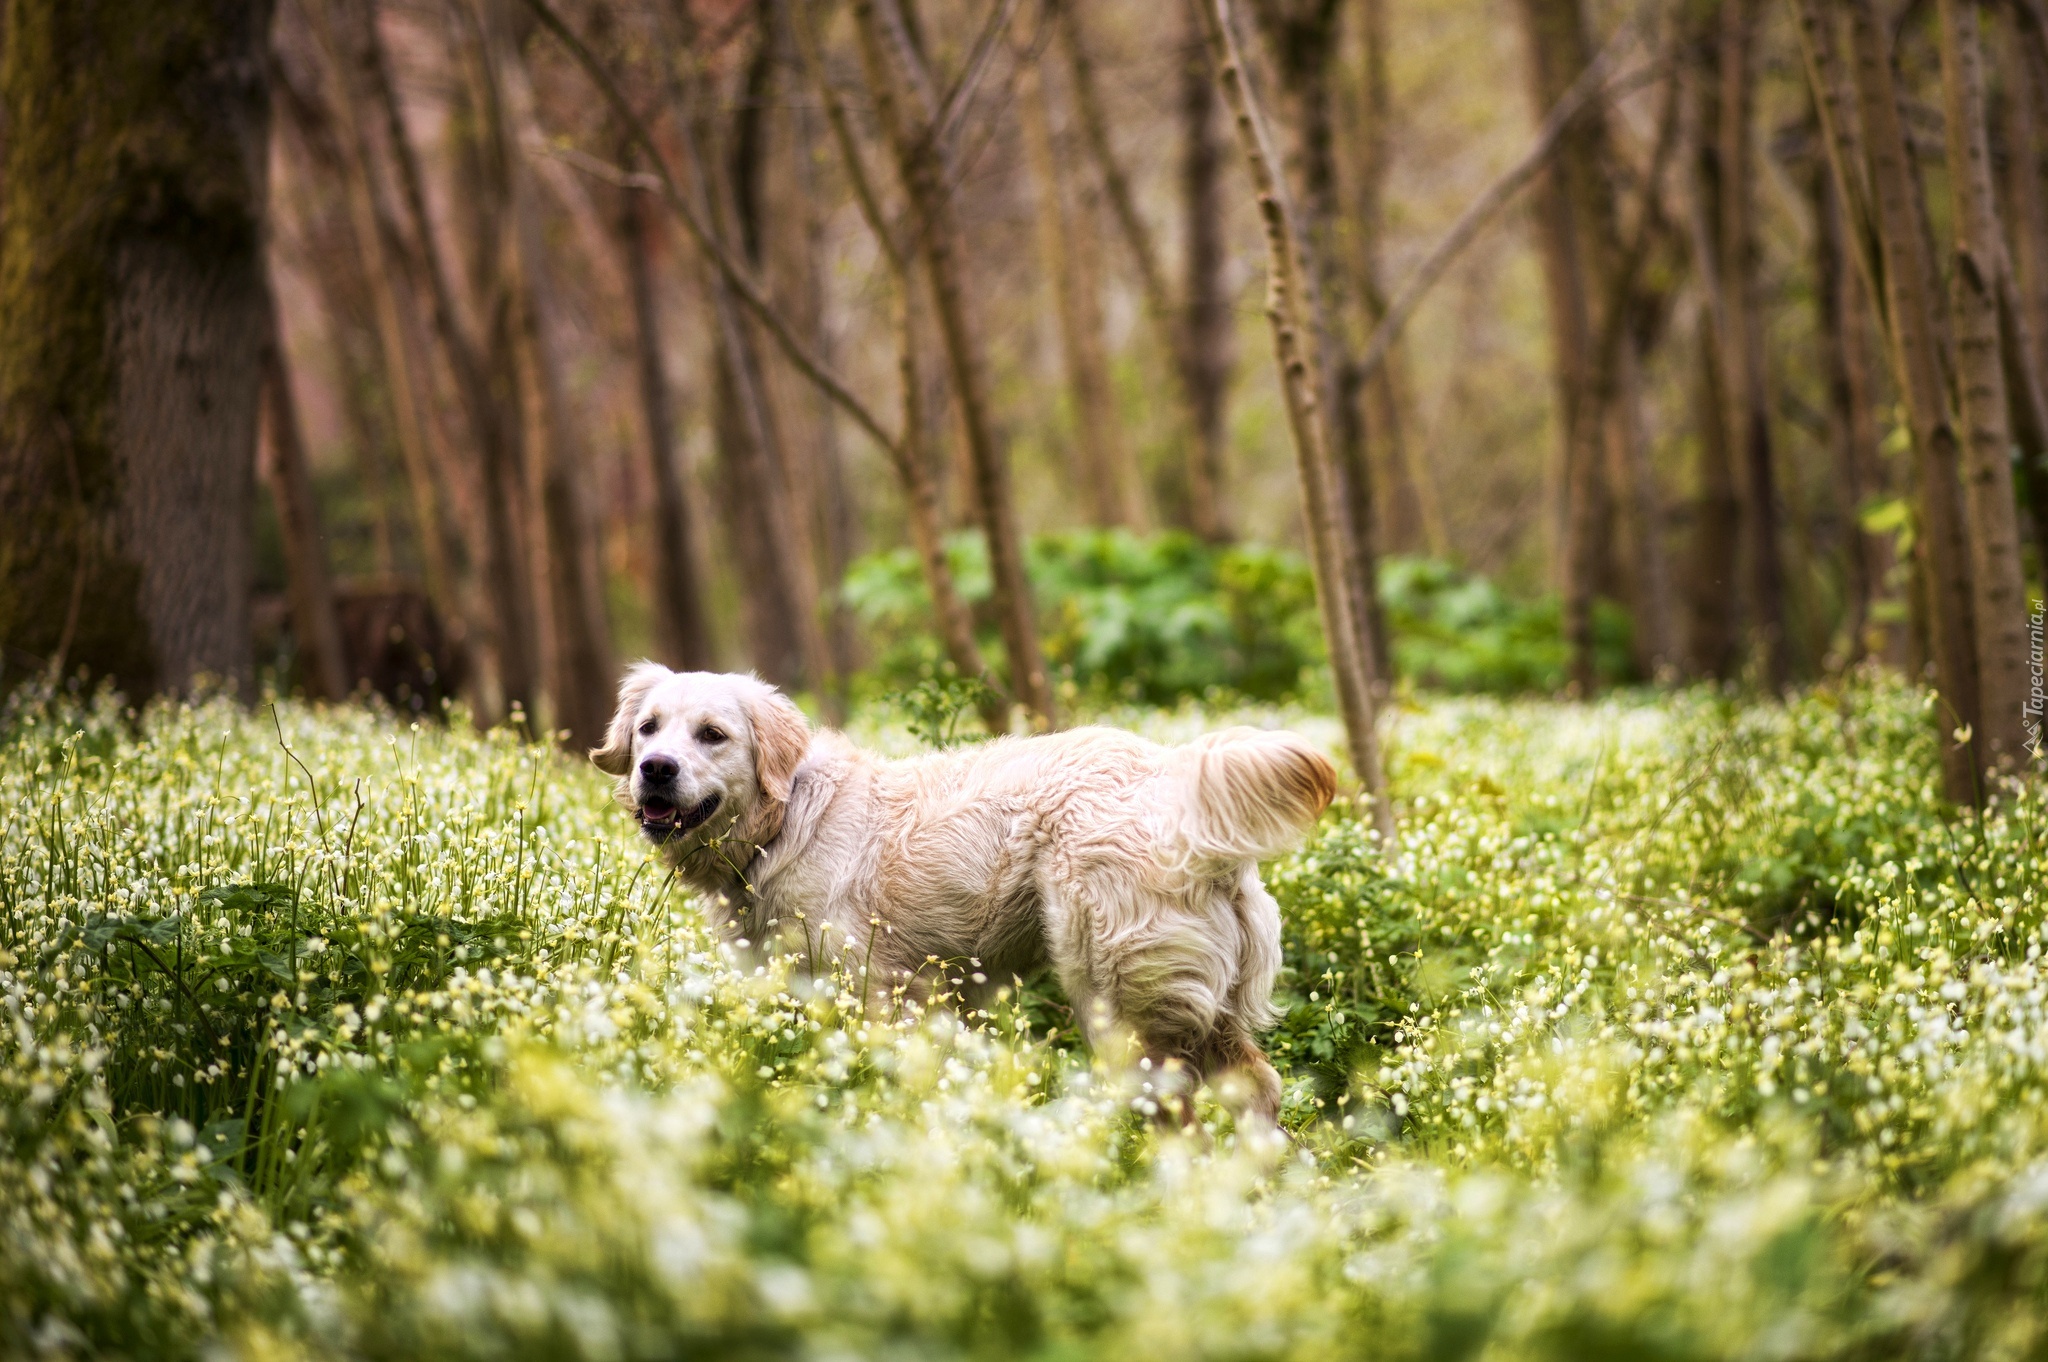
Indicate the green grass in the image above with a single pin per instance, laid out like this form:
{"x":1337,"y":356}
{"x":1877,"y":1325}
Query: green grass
{"x":1676,"y":1027}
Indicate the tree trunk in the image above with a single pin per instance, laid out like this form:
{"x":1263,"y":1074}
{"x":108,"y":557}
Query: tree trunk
{"x":582,"y":672}
{"x":132,"y":323}
{"x":1639,"y":519}
{"x":1915,"y":335}
{"x":1413,"y":516}
{"x":771,"y":540}
{"x":312,"y":163}
{"x":380,"y":253}
{"x":2025,"y":68}
{"x":1999,"y":586}
{"x":682,"y":624}
{"x":281,"y":459}
{"x":486,"y":387}
{"x":1714,"y":642}
{"x":1198,"y":411}
{"x":904,"y":98}
{"x":1576,"y":241}
{"x":1713,"y":646}
{"x":1068,"y":247}
{"x":1302,"y":35}
{"x":835,"y":513}
{"x":1286,"y":309}
{"x":1205,"y":349}
{"x":1744,"y":364}
{"x":911,"y":455}
{"x":1841,"y":326}
{"x":2024,"y":296}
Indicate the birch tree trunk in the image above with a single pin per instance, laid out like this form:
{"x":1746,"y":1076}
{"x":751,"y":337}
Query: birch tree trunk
{"x":1999,"y":596}
{"x":906,"y":102}
{"x":1293,"y":349}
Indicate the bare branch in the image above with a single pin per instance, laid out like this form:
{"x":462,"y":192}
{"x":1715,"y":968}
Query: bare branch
{"x":1591,"y":86}
{"x":954,"y":107}
{"x":742,"y":280}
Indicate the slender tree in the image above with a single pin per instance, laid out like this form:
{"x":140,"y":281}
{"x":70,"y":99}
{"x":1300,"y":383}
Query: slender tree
{"x":1413,"y":516}
{"x":1192,"y":332}
{"x":347,"y":29}
{"x":1301,"y":385}
{"x":1739,"y":326}
{"x":1857,"y":96}
{"x":1303,"y":37}
{"x":281,"y":460}
{"x":1999,"y":586}
{"x":485,"y":384}
{"x":919,"y":128}
{"x":1204,"y":350}
{"x":582,"y":672}
{"x":1068,"y":245}
{"x":772,"y":541}
{"x":312,"y":229}
{"x":1842,"y":328}
{"x":1576,"y":240}
{"x":682,"y":621}
{"x":132,"y":324}
{"x":909,"y":455}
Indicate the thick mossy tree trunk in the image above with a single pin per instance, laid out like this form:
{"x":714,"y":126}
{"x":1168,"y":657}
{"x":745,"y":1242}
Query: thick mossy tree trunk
{"x":132,"y":326}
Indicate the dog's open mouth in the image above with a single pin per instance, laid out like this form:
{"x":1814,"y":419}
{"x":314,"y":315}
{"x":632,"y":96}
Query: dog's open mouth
{"x":659,"y":816}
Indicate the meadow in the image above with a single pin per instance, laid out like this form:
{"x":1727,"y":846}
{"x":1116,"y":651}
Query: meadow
{"x":1676,"y":1025}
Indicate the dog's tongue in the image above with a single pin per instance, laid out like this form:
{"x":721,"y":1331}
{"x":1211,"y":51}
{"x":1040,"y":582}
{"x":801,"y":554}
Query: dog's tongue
{"x":658,"y":813}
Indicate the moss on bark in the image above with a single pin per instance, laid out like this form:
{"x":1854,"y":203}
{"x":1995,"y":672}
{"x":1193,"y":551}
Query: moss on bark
{"x":133,"y":124}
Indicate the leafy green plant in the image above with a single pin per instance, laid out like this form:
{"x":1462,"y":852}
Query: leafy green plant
{"x":1153,"y":620}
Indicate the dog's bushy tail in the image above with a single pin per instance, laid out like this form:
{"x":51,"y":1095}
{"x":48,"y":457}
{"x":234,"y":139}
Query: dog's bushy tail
{"x":1246,"y":794}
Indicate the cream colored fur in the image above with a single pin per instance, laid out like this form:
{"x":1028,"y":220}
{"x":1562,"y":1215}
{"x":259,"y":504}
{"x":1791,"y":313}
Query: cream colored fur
{"x":1129,"y":867}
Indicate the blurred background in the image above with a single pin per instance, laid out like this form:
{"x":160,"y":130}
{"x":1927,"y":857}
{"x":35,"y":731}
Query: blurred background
{"x":467,"y":349}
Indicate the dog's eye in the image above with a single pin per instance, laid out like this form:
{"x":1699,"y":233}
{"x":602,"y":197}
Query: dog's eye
{"x":647,"y":729}
{"x":712,"y":736}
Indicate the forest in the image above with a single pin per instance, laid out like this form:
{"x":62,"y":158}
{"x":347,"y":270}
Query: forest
{"x":1615,"y":431}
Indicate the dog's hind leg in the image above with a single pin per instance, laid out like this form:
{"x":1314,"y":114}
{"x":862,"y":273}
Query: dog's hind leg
{"x":1200,"y":987}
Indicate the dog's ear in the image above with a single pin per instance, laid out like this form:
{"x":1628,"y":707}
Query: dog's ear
{"x":615,"y":758}
{"x":781,"y":737}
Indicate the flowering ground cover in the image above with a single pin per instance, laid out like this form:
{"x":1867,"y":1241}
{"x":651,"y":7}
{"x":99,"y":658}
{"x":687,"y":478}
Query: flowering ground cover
{"x":1676,"y":1026}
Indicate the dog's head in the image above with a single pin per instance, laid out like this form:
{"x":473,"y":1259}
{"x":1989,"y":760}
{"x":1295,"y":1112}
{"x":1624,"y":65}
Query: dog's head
{"x":703,"y":754}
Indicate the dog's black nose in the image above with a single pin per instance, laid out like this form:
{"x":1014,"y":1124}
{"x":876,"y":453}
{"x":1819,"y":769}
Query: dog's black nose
{"x":659,"y":770}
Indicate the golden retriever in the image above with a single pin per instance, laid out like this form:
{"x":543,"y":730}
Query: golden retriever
{"x":1130,"y":868}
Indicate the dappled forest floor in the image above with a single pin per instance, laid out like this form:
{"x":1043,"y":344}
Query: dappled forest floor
{"x":1676,"y":1025}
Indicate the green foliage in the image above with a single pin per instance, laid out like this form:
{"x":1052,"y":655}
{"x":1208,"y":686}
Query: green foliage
{"x":934,"y":708}
{"x":1459,"y":632}
{"x":1157,"y":619}
{"x":1675,"y":1029}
